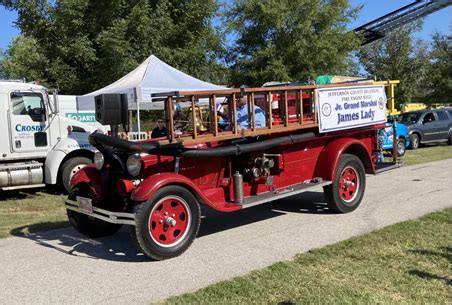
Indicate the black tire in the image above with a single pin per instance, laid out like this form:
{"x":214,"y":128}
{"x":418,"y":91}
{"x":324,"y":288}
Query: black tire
{"x":346,"y":198}
{"x":70,"y":167}
{"x":87,"y":225}
{"x":414,"y":139}
{"x":154,"y":235}
{"x":401,"y":147}
{"x":449,"y":141}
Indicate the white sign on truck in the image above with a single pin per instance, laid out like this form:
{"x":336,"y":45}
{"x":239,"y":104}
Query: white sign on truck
{"x":348,"y":107}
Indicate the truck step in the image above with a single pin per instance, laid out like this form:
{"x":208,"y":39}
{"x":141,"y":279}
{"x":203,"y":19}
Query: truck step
{"x":20,"y":165}
{"x":19,"y":187}
{"x":386,"y":166}
{"x":281,"y":193}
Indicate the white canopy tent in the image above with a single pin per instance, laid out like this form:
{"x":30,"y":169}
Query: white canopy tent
{"x":151,"y":76}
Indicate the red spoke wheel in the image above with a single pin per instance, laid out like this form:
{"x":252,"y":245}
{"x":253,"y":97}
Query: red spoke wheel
{"x":167,"y":223}
{"x":348,"y":184}
{"x":347,"y":190}
{"x":169,"y":219}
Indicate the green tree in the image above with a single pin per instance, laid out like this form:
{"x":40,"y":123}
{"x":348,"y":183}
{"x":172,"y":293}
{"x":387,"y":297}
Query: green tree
{"x":439,"y":82}
{"x":87,"y":44}
{"x":286,"y":40}
{"x":3,"y":74}
{"x":24,"y":60}
{"x":398,"y":57}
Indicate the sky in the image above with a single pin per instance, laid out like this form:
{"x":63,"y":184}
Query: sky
{"x":439,"y":21}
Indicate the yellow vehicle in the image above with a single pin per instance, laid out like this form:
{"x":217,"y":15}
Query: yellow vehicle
{"x":413,"y":107}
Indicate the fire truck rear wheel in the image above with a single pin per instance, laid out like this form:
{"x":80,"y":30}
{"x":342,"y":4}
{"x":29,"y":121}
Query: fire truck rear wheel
{"x":86,"y":225}
{"x":70,"y":167}
{"x":344,"y":195}
{"x":167,"y":224}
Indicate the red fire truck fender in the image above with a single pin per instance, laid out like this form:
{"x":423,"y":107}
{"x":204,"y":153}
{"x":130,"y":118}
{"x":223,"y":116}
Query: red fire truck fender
{"x":97,"y":181}
{"x":329,"y":158}
{"x":153,"y":183}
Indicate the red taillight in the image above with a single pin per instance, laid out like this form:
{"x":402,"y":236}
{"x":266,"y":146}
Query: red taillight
{"x":124,"y":186}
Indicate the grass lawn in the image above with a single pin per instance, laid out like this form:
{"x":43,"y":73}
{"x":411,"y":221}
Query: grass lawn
{"x":426,"y":154}
{"x":31,"y":211}
{"x":410,"y":262}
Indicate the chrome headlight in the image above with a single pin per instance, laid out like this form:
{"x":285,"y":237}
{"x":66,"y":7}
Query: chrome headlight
{"x":99,"y":160}
{"x":134,"y":165}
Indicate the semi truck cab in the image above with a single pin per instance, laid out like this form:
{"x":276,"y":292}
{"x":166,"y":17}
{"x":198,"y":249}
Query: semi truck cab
{"x":38,"y":146}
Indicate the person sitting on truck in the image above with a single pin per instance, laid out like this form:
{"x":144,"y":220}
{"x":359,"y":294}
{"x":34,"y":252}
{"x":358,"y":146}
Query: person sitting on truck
{"x":159,"y":131}
{"x":222,"y":116}
{"x":242,"y":116}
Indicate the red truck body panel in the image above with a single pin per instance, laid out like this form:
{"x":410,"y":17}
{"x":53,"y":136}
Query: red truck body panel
{"x":96,"y":181}
{"x":210,"y":179}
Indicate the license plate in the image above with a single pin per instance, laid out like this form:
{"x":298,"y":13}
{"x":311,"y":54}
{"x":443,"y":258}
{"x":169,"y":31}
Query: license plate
{"x":85,"y":204}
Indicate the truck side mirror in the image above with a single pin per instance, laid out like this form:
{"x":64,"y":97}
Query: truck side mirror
{"x":56,"y":104}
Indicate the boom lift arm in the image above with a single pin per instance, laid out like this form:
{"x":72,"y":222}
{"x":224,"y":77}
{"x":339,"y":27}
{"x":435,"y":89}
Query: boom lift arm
{"x":378,"y":28}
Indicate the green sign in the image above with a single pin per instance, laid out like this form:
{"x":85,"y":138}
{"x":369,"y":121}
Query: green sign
{"x":84,"y":117}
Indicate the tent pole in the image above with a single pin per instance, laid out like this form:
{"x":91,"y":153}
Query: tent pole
{"x":130,"y":120}
{"x":138,"y":111}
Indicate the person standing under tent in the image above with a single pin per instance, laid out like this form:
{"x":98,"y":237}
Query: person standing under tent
{"x":159,"y":131}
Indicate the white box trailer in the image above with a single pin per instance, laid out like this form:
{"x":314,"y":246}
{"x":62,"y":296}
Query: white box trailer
{"x":38,"y":145}
{"x":68,"y":108}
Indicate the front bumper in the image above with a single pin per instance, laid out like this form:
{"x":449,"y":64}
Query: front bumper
{"x":107,"y":216}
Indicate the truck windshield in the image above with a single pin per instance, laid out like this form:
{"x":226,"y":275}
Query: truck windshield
{"x":409,"y":118}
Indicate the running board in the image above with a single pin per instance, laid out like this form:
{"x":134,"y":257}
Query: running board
{"x":386,"y":166}
{"x":281,"y":193}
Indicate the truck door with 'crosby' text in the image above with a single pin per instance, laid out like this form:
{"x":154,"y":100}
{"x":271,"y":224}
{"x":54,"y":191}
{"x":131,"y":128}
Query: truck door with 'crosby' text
{"x":28,"y":122}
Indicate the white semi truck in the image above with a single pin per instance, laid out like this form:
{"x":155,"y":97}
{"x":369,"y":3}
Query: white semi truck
{"x":37,"y":145}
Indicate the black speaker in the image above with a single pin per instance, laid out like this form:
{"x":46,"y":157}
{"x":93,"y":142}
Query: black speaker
{"x":111,"y":108}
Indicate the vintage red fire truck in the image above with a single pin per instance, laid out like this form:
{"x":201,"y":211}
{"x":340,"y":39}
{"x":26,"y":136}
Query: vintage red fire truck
{"x":267,"y":144}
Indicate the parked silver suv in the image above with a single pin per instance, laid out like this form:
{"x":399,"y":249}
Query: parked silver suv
{"x":428,"y":126}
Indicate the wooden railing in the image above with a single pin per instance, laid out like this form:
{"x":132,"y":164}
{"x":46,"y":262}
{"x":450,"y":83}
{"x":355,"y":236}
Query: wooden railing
{"x":286,"y":108}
